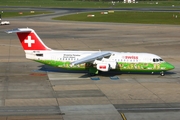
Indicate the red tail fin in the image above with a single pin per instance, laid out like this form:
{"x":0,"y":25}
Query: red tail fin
{"x":29,"y":39}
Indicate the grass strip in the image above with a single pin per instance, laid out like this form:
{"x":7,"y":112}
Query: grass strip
{"x":172,"y":18}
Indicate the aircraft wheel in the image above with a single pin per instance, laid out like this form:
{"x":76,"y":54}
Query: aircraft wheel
{"x":162,"y":73}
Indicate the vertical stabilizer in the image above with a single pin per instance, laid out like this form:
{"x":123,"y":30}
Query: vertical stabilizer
{"x":29,"y":39}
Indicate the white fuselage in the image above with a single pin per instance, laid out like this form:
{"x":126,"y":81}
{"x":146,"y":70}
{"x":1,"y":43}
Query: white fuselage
{"x":76,"y":55}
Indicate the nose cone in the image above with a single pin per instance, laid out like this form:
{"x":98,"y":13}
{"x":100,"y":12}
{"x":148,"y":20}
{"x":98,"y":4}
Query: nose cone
{"x":169,"y":66}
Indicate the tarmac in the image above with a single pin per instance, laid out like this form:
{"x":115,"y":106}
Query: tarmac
{"x":30,"y":90}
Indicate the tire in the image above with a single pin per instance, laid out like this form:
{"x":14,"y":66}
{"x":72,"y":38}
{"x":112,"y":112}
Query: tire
{"x":162,"y":73}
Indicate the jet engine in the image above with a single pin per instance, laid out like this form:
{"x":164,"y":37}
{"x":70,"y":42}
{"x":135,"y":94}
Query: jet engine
{"x":113,"y":65}
{"x":105,"y":64}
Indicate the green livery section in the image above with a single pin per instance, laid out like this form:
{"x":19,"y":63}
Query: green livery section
{"x":121,"y":66}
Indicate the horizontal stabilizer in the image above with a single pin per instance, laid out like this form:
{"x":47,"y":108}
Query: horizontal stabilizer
{"x":19,"y":30}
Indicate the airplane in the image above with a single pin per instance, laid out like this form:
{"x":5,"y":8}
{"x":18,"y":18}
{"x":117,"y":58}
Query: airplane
{"x":92,"y":61}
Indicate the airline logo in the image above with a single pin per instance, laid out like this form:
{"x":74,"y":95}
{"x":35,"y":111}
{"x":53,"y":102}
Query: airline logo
{"x":130,"y":57}
{"x":102,"y":67}
{"x":29,"y":41}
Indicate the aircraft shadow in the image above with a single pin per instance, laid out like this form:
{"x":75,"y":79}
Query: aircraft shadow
{"x":46,"y":68}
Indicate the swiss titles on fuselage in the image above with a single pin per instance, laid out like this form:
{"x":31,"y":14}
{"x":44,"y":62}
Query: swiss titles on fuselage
{"x":71,"y":56}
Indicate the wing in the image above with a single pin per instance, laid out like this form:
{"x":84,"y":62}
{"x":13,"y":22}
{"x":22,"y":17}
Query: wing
{"x":93,"y":57}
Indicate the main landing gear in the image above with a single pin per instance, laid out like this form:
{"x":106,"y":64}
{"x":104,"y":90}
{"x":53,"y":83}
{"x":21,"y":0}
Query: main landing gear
{"x":93,"y":71}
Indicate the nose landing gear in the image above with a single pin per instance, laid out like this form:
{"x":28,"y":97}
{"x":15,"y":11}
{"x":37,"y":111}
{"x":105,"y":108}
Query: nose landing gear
{"x":162,"y":73}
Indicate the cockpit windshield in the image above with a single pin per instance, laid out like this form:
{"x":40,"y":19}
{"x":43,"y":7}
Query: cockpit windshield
{"x":161,"y":59}
{"x":157,"y":60}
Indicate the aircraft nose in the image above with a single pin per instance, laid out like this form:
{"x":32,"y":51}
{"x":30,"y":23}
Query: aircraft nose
{"x":170,"y":66}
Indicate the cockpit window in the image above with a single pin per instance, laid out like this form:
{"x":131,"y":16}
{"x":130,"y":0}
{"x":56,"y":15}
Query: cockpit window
{"x":157,"y":60}
{"x":161,"y":59}
{"x":154,"y":60}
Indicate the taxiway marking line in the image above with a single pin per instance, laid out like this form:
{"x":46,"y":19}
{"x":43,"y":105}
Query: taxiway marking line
{"x":123,"y":116}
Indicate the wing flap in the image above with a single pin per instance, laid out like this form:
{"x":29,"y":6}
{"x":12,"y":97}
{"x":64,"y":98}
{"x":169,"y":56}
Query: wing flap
{"x":92,"y":57}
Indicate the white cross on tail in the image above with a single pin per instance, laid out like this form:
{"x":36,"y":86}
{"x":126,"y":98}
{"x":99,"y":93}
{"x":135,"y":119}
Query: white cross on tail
{"x":29,"y":41}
